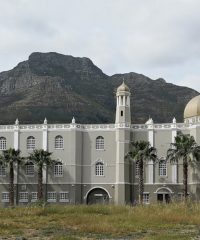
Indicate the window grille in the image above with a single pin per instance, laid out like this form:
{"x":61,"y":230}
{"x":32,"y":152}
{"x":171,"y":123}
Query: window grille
{"x":2,"y":143}
{"x":29,"y":169}
{"x":58,"y":170}
{"x":99,"y":169}
{"x":145,"y":198}
{"x":59,"y":143}
{"x":5,"y":197}
{"x":64,"y":197}
{"x":34,"y":196}
{"x":99,"y":143}
{"x":2,"y":170}
{"x":162,"y":168}
{"x":51,"y":196}
{"x":23,"y":197}
{"x":30,"y":143}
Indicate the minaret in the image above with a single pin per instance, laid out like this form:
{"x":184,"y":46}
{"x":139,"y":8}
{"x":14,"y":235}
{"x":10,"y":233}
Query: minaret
{"x":123,"y":114}
{"x":122,"y":138}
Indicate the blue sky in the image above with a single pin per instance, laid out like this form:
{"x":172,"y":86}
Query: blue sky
{"x":158,"y":38}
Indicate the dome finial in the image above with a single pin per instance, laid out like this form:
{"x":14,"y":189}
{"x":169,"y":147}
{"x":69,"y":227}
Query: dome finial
{"x":73,"y":120}
{"x":17,"y":122}
{"x":149,"y":121}
{"x":123,"y":87}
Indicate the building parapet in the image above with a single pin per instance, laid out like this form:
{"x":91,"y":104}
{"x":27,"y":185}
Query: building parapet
{"x":7,"y":127}
{"x":60,"y":126}
{"x":163,"y":126}
{"x":97,"y":126}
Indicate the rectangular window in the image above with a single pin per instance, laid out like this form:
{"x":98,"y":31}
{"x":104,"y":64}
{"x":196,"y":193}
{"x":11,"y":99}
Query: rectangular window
{"x":64,"y":197}
{"x":146,"y":198}
{"x":181,"y":196}
{"x":30,"y":144}
{"x":58,"y":170}
{"x":5,"y":197}
{"x":162,"y":168}
{"x":100,"y":143}
{"x":51,"y":197}
{"x":137,"y":168}
{"x":34,"y":196}
{"x":2,"y":143}
{"x":2,"y":170}
{"x":99,"y":169}
{"x":121,"y":113}
{"x":23,"y":197}
{"x":29,"y":170}
{"x":59,"y":143}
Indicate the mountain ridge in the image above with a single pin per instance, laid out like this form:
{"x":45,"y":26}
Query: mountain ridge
{"x":58,"y":87}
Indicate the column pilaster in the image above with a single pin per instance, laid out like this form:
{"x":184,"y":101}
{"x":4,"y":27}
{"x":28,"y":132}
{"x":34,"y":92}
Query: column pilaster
{"x":150,"y":125}
{"x":174,"y":165}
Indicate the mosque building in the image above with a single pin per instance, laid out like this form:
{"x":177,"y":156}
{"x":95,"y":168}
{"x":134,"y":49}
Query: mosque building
{"x":92,"y":167}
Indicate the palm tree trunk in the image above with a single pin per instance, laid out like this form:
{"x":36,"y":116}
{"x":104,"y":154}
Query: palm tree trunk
{"x":185,"y":178}
{"x":17,"y":185}
{"x":46,"y":185}
{"x":11,"y":187}
{"x":141,"y":182}
{"x":40,"y":183}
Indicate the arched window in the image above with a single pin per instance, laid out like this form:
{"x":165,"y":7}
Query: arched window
{"x":137,"y":168}
{"x":99,"y":143}
{"x":162,"y":168}
{"x":2,"y":143}
{"x":2,"y":170}
{"x":59,"y":143}
{"x":99,"y":169}
{"x":58,"y":170}
{"x":30,"y":143}
{"x":29,"y":171}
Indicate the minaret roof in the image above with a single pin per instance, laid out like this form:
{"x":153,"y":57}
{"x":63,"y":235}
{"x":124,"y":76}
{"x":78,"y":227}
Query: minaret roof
{"x":123,"y":87}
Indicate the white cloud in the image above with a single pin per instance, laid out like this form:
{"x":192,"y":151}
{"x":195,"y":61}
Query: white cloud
{"x":153,"y":37}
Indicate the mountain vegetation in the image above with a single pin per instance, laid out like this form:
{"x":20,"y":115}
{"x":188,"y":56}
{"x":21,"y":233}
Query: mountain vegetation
{"x":59,"y":87}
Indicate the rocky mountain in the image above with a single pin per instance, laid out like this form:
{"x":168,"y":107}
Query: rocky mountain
{"x":59,"y":87}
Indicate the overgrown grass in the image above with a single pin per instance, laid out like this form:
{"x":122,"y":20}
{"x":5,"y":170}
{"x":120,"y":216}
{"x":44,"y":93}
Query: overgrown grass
{"x":158,"y":222}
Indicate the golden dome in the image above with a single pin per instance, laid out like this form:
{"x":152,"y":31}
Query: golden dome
{"x":192,"y":109}
{"x":123,"y":87}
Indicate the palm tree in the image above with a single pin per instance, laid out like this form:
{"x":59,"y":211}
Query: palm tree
{"x":141,"y":151}
{"x":184,"y":149}
{"x":41,"y":158}
{"x":9,"y":158}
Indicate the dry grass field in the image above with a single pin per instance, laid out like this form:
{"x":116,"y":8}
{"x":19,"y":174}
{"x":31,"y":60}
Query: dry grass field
{"x":158,"y":222}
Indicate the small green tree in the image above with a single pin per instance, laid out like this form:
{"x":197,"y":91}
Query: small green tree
{"x":9,"y":158}
{"x":184,"y":149}
{"x":141,"y":151}
{"x":40,"y":158}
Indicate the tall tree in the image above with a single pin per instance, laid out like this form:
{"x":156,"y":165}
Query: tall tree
{"x":40,"y":158}
{"x":184,"y":149}
{"x":141,"y":152}
{"x":9,"y":158}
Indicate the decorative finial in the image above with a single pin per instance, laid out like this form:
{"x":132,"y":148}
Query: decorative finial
{"x":150,"y":121}
{"x":174,"y":120}
{"x":45,"y":121}
{"x":17,"y":122}
{"x":73,"y":120}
